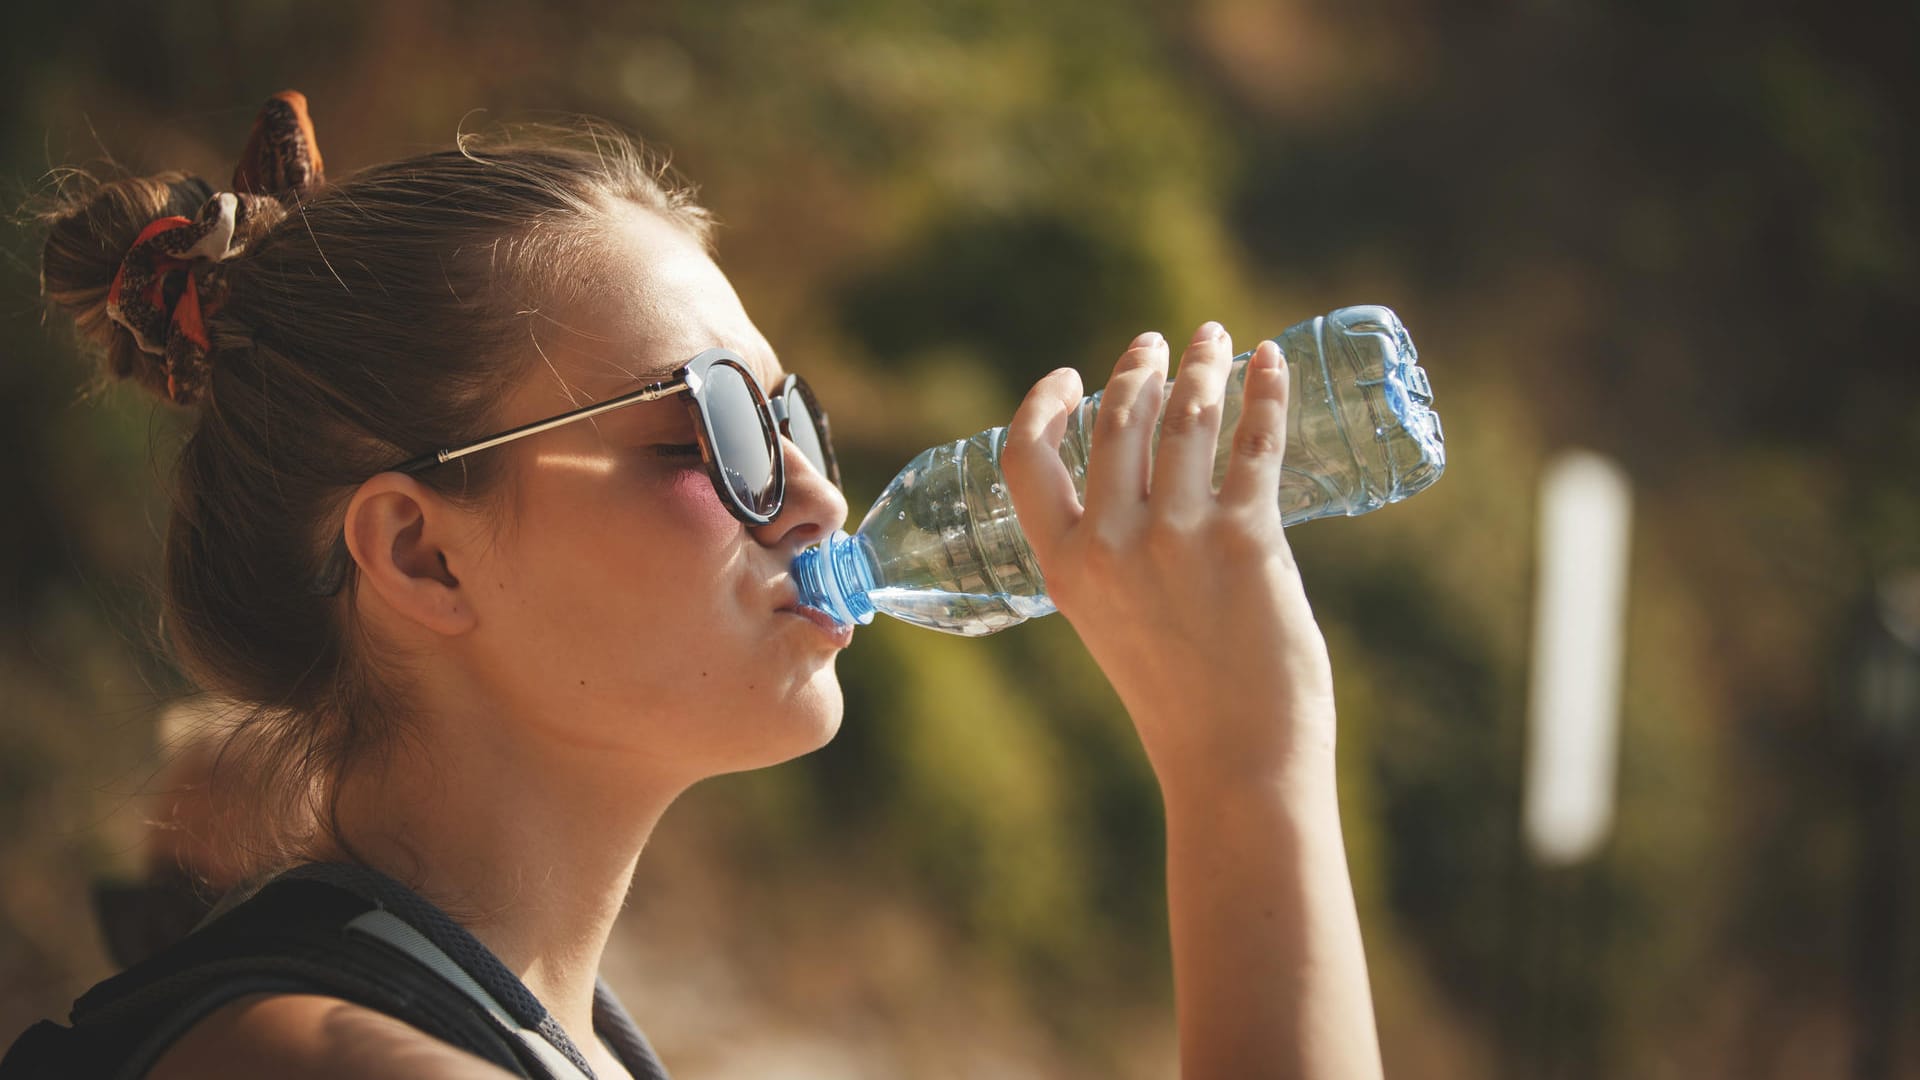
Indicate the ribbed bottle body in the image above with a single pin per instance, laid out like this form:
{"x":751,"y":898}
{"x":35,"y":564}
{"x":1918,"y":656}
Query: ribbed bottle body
{"x":942,"y":547}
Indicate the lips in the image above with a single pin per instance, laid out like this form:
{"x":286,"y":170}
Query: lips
{"x":841,"y":634}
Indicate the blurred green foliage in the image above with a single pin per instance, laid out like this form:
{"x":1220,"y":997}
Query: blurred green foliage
{"x":1682,"y":234}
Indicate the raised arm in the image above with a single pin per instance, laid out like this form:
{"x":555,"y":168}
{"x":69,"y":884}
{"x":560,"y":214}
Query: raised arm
{"x":1190,"y":602}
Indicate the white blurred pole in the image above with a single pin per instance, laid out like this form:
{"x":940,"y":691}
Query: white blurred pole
{"x":1579,"y":630}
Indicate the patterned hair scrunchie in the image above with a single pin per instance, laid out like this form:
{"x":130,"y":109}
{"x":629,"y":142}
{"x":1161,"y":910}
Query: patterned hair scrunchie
{"x":165,"y":288}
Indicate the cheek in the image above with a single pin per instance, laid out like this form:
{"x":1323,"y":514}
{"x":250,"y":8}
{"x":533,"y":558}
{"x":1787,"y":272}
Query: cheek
{"x":697,"y":506}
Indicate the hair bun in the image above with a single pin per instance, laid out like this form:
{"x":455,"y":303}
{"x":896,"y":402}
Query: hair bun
{"x":89,"y":232}
{"x":135,"y":262}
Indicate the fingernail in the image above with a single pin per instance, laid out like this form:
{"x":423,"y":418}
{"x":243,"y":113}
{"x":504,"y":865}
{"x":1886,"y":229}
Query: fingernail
{"x":1267,"y":355}
{"x":1209,"y":331}
{"x":1151,"y":337}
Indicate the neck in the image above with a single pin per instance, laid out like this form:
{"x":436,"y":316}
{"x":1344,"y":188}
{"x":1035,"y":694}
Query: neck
{"x":530,"y":850}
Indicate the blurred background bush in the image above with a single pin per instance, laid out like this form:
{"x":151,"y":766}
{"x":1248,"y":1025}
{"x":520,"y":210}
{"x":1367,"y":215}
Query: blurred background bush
{"x":1681,"y":233}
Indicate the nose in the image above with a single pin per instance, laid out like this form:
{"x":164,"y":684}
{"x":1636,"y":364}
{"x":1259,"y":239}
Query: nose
{"x":813,"y":507}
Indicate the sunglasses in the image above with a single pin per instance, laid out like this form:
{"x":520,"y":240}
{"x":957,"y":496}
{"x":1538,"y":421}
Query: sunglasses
{"x":737,"y":426}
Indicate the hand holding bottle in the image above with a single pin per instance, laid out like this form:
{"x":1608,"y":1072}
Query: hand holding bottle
{"x":1190,"y":602}
{"x":1188,"y":599}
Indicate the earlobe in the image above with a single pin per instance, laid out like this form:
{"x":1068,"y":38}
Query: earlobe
{"x":395,"y":531}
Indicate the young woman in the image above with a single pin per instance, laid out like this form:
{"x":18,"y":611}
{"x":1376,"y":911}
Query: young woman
{"x":487,"y":672}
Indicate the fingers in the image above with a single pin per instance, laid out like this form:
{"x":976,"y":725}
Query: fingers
{"x":1122,"y":450}
{"x":1037,"y":479}
{"x":1190,"y":429}
{"x":1260,"y":439}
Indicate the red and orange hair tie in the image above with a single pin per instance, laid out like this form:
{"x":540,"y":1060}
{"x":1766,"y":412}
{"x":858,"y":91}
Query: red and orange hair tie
{"x":164,"y":291}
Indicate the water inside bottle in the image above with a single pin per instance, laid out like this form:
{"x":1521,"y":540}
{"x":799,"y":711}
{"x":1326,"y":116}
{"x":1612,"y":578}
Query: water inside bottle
{"x":967,"y":614}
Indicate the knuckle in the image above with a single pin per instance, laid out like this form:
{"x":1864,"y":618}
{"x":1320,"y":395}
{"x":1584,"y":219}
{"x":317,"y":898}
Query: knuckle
{"x":1258,"y":443}
{"x":1240,"y":536}
{"x":1169,"y":538}
{"x":1105,"y":551}
{"x":1188,"y":417}
{"x":1118,"y":414}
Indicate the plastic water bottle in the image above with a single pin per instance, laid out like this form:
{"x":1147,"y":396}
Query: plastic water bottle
{"x":942,"y":547}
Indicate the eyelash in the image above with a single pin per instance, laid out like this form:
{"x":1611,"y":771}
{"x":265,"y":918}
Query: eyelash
{"x":677,"y":450}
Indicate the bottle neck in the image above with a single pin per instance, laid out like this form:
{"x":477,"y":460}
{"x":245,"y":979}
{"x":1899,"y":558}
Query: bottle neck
{"x":835,"y":577}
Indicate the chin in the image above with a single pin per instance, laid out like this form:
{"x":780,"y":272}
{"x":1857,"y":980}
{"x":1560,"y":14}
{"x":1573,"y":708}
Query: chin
{"x":820,"y":710}
{"x":789,"y":726}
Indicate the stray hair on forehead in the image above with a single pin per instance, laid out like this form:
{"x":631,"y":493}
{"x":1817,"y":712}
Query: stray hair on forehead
{"x":612,"y":327}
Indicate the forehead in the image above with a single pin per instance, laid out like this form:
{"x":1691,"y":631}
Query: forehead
{"x":651,"y":300}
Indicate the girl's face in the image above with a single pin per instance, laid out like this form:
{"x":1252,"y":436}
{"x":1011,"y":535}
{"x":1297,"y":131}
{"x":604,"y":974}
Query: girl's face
{"x":623,"y":609}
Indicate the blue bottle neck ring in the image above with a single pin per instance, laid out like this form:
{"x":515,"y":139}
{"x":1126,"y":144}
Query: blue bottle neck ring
{"x":835,"y":577}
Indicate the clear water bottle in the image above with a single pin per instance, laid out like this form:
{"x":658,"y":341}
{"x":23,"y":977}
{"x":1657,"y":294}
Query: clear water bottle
{"x":942,"y":548}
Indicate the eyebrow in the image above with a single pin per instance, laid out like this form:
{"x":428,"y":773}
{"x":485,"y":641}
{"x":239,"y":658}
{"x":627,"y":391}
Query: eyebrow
{"x":629,"y":381}
{"x":637,"y":366}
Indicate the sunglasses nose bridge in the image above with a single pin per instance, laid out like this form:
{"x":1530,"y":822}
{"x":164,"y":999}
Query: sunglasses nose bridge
{"x":777,"y":414}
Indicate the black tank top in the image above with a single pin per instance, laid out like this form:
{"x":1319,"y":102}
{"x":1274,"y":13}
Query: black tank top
{"x":343,"y":931}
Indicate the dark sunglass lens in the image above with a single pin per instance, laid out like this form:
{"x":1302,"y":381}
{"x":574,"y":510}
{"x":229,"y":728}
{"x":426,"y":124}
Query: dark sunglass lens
{"x":804,"y":430}
{"x":740,"y":445}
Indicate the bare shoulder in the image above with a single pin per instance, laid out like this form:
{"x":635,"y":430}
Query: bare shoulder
{"x":297,"y":1036}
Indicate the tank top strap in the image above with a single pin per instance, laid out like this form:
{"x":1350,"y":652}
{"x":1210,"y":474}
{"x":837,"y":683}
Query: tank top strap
{"x":415,"y":925}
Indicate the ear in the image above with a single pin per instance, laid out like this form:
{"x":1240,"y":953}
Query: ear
{"x":408,"y":543}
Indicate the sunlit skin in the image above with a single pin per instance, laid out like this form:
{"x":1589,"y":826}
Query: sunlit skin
{"x":626,"y":614}
{"x":619,"y":636}
{"x":576,"y":665}
{"x":1191,"y":603}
